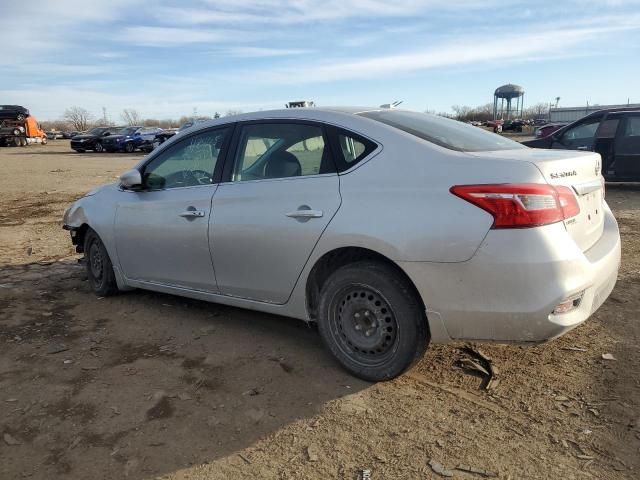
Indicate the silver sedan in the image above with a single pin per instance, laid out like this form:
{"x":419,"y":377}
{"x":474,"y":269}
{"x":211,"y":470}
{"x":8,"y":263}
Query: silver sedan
{"x":390,"y":229}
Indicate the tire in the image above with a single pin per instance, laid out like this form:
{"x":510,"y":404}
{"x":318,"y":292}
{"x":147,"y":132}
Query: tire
{"x":102,"y":279}
{"x":20,"y":117}
{"x":98,"y":148}
{"x":371,"y":321}
{"x":43,"y":141}
{"x":23,"y":142}
{"x":129,"y":148}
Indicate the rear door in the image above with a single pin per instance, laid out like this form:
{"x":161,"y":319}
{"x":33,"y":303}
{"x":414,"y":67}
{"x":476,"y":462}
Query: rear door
{"x":627,"y":148}
{"x":280,"y":193}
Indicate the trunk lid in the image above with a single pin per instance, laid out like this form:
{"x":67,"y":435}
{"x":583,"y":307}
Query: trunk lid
{"x":580,"y":171}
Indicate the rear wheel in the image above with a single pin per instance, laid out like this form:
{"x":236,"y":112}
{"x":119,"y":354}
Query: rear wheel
{"x":23,"y":142}
{"x":129,"y":148}
{"x":98,"y":147}
{"x":20,"y":117}
{"x":371,"y":320}
{"x":43,"y":140}
{"x":99,"y":267}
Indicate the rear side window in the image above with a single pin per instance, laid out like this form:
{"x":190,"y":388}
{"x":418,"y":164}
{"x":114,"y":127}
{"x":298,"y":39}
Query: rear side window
{"x":281,"y":150}
{"x":632,"y":128}
{"x":442,"y":131}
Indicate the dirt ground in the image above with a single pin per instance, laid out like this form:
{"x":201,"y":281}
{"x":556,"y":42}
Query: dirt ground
{"x":145,"y":385}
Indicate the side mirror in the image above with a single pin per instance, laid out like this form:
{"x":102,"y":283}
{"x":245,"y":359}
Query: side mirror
{"x":131,"y":179}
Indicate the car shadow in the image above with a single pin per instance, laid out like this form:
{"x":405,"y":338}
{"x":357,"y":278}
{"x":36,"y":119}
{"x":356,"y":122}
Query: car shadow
{"x":147,"y":383}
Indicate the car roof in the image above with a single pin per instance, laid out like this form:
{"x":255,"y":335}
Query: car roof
{"x":305,"y":113}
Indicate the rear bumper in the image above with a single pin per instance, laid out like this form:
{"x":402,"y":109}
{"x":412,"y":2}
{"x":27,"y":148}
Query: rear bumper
{"x":509,"y":289}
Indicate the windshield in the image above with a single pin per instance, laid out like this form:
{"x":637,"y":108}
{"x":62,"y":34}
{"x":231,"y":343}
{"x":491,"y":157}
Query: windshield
{"x":128,"y":131}
{"x":443,"y":131}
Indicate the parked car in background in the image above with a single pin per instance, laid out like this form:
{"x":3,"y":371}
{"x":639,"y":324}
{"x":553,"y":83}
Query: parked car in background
{"x":71,"y":134}
{"x":613,"y":133}
{"x":496,"y":125}
{"x":159,"y":139}
{"x":504,"y":243}
{"x":190,"y":124}
{"x":93,"y":139}
{"x":130,"y":139}
{"x":548,"y":129}
{"x":513,"y":126}
{"x":55,"y":135}
{"x":13,"y":112}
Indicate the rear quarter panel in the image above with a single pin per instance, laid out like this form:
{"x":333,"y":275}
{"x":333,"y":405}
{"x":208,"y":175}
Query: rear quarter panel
{"x":399,"y":203}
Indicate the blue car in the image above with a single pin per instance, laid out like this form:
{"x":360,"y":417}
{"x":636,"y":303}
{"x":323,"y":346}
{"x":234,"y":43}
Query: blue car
{"x":130,"y":139}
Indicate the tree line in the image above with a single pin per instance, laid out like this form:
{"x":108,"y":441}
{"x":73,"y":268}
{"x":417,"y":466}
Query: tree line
{"x":483,"y":113}
{"x":80,"y":119}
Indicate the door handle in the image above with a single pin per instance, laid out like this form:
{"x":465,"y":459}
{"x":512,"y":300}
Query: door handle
{"x":192,"y":213}
{"x":305,"y":214}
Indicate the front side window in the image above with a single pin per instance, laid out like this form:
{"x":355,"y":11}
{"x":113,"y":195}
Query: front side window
{"x":280,"y":150}
{"x":188,"y":163}
{"x":584,"y":131}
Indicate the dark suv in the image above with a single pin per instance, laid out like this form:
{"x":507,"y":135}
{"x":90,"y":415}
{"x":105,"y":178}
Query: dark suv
{"x":13,"y":112}
{"x":614,"y":134}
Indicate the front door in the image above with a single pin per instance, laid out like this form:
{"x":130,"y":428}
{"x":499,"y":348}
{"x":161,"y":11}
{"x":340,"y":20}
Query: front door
{"x":162,"y":230}
{"x":281,"y":192}
{"x":627,"y":149}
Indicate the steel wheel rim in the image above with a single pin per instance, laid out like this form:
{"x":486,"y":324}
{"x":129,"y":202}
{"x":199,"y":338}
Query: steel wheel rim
{"x":363,"y":325}
{"x":96,"y":262}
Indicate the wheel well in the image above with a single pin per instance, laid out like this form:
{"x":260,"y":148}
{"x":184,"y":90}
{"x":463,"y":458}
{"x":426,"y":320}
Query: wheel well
{"x":78,"y":237}
{"x":331,"y":261}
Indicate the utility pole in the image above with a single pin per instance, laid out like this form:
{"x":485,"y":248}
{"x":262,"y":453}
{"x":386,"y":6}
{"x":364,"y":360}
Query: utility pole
{"x":104,"y":115}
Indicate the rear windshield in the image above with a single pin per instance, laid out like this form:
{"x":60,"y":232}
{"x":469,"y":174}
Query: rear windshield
{"x":443,"y":131}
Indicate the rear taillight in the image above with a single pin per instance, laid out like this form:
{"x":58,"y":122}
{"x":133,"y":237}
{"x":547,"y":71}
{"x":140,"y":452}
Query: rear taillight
{"x":521,"y":205}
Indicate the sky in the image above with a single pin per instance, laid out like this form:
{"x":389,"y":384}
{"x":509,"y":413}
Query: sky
{"x":167,"y":59}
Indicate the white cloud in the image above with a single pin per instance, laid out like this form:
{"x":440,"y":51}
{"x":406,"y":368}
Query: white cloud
{"x":302,"y":12}
{"x":465,"y":51}
{"x":256,"y":52}
{"x":170,"y":36}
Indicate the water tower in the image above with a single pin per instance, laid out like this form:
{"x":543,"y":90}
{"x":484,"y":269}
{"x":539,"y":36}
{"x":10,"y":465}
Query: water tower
{"x":506,"y":94}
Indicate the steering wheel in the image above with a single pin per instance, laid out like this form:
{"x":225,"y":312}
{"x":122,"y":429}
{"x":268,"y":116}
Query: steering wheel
{"x":199,"y":176}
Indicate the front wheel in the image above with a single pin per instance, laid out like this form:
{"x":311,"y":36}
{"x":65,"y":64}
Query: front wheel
{"x":372,"y":321}
{"x":20,"y":117}
{"x":43,"y":140}
{"x":98,"y":147}
{"x":99,"y":268}
{"x":129,"y":148}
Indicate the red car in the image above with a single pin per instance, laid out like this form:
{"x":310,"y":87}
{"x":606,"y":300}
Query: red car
{"x":548,"y":129}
